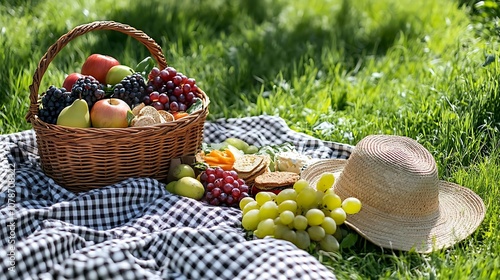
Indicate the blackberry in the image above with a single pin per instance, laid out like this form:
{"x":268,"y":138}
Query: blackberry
{"x":53,"y":101}
{"x":131,"y":89}
{"x":88,"y":89}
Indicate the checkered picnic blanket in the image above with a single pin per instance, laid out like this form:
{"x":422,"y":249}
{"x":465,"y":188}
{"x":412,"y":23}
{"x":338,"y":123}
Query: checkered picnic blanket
{"x":135,"y":229}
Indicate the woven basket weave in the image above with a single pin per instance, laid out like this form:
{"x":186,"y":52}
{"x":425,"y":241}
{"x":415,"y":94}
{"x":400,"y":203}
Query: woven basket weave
{"x":82,"y":159}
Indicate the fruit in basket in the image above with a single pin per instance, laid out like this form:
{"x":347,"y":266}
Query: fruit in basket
{"x":110,"y":112}
{"x":130,"y":89}
{"x":88,"y":89}
{"x":182,"y":92}
{"x":117,"y":73}
{"x":189,"y":187}
{"x":183,"y":170}
{"x":53,"y":101}
{"x":75,"y":115}
{"x":70,"y":80}
{"x":98,"y":65}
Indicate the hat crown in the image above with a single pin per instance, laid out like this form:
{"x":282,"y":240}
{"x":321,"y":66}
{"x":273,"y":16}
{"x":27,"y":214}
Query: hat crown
{"x":393,"y":174}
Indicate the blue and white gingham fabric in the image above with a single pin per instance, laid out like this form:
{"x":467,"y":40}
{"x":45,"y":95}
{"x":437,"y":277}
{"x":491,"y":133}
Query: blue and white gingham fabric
{"x":135,"y":229}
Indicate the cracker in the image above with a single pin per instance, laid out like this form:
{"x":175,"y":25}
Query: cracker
{"x":251,"y":179}
{"x":247,"y":163}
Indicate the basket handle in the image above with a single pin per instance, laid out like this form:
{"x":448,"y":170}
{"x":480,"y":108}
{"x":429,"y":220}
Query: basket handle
{"x":140,"y":36}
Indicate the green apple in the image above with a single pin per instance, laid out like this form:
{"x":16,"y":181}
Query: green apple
{"x":189,"y":187}
{"x":117,"y":73}
{"x":183,"y":170}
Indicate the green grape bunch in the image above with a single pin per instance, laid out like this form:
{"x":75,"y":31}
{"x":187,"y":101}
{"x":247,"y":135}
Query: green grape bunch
{"x":302,"y":215}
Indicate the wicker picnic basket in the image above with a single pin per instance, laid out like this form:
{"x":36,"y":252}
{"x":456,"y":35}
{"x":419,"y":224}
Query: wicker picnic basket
{"x":81,"y":159}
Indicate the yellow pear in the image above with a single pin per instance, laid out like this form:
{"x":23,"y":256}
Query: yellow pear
{"x":75,"y":115}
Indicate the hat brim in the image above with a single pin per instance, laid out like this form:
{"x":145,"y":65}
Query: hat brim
{"x":461,"y":211}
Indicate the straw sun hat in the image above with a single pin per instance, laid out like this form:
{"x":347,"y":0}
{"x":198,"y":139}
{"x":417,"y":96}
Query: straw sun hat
{"x":404,"y":204}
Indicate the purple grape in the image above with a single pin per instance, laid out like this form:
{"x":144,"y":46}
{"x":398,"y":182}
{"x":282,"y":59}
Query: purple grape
{"x":209,"y":196}
{"x":234,"y":174}
{"x":230,"y":200}
{"x":170,"y":85}
{"x":186,"y":88}
{"x":211,"y":178}
{"x":158,"y":106}
{"x":203,"y":176}
{"x":243,"y":195}
{"x":209,"y":171}
{"x":172,"y":71}
{"x":243,"y":188}
{"x":191,"y":81}
{"x":189,"y":96}
{"x":218,"y":172}
{"x":164,"y":75}
{"x":177,"y":80}
{"x":229,"y":179}
{"x":163,"y":98}
{"x":223,"y":197}
{"x":157,"y":82}
{"x":227,"y":188}
{"x":236,"y":192}
{"x":181,"y":98}
{"x":155,"y":72}
{"x":177,"y":92}
{"x":174,"y":106}
{"x":216,"y":192}
{"x":146,"y":100}
{"x":184,"y":77}
{"x":218,"y":182}
{"x":214,"y":201}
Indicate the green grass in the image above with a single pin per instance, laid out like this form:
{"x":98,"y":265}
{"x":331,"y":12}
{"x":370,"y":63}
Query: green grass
{"x":337,"y":70}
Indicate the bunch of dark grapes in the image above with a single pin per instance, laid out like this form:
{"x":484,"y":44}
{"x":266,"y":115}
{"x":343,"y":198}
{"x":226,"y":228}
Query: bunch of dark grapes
{"x":223,"y":187}
{"x":170,"y":90}
{"x":131,"y":89}
{"x":53,"y":101}
{"x":88,"y":89}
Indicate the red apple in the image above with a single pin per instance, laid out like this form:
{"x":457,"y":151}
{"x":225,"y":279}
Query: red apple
{"x":98,"y":65}
{"x":70,"y":80}
{"x":110,"y":112}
